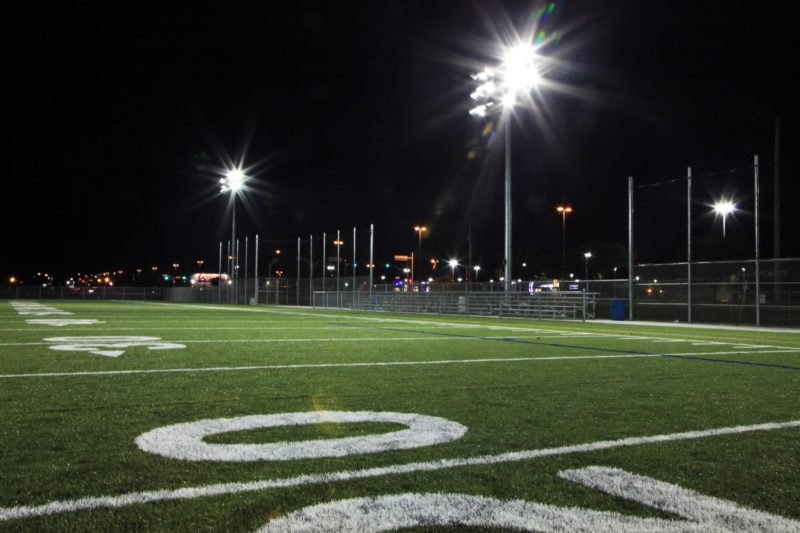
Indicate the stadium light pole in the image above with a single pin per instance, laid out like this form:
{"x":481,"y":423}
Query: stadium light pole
{"x":587,"y":256}
{"x":724,"y":208}
{"x":232,"y":183}
{"x":564,"y":210}
{"x":420,"y":230}
{"x":500,"y":89}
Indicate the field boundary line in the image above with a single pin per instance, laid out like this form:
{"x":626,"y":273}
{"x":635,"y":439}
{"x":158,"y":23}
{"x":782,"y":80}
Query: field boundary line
{"x":186,"y":493}
{"x":380,"y":363}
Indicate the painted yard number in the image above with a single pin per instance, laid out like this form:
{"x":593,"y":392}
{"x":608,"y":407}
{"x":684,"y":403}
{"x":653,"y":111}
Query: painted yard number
{"x":385,"y":513}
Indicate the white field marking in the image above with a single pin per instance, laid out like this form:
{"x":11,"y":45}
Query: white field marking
{"x":713,"y":514}
{"x":390,"y":338}
{"x":379,"y":363}
{"x":36,"y":309}
{"x":427,"y":322}
{"x":186,"y":493}
{"x":109,"y":346}
{"x":61,"y":322}
{"x":401,"y":511}
{"x":199,"y":328}
{"x":185,"y":441}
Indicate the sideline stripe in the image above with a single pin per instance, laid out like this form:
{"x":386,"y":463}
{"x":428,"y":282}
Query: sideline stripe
{"x":132,"y":498}
{"x":731,"y":361}
{"x":369,"y":364}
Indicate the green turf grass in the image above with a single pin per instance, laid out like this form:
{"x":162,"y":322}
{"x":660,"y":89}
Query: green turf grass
{"x":515,"y":384}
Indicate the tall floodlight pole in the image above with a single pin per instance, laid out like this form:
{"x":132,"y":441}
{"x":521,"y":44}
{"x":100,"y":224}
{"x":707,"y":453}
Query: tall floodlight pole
{"x":310,"y":270}
{"x":219,"y":275}
{"x":232,"y":183}
{"x":499,"y":90}
{"x":420,"y":230}
{"x":246,"y":261}
{"x":564,"y":210}
{"x":587,"y":256}
{"x":255,"y":289}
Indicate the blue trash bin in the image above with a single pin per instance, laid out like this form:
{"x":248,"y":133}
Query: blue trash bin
{"x":617,"y":309}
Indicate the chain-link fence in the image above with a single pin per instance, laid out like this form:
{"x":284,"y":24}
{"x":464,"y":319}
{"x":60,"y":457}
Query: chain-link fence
{"x":48,"y":292}
{"x":720,"y":292}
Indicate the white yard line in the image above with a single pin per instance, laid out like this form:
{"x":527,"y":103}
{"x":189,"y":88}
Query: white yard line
{"x":187,"y":493}
{"x":377,"y":364}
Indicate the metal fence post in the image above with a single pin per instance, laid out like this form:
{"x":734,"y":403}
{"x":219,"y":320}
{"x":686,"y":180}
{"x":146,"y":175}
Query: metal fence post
{"x":583,"y":303}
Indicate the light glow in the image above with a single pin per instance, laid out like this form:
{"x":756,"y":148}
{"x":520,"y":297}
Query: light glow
{"x":724,"y":207}
{"x":233,"y":181}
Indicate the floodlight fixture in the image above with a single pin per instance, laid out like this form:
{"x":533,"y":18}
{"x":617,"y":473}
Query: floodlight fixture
{"x":498,"y":91}
{"x":724,"y":208}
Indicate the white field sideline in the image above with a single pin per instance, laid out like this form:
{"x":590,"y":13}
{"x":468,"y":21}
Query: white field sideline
{"x":133,"y":498}
{"x":383,"y":364}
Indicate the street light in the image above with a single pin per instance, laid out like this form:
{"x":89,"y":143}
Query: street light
{"x":498,"y":91}
{"x":453,"y":264}
{"x":232,"y":183}
{"x":477,"y":268}
{"x":587,"y":256}
{"x":724,"y":208}
{"x":564,"y":210}
{"x":420,"y":230}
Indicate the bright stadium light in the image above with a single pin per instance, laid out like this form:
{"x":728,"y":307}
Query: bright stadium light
{"x":724,"y":208}
{"x":232,"y":183}
{"x":499,"y":90}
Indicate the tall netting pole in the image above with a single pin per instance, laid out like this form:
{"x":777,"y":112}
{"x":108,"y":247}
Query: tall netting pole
{"x":371,"y":255}
{"x":246,"y":263}
{"x":310,"y":270}
{"x":630,"y":247}
{"x":758,"y":262}
{"x":354,"y":265}
{"x":219,"y":275}
{"x":338,"y":265}
{"x":324,"y":264}
{"x":689,"y":245}
{"x":297,"y":291}
{"x":255,"y":289}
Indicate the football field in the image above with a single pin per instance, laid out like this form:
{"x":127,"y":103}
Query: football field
{"x":178,"y":417}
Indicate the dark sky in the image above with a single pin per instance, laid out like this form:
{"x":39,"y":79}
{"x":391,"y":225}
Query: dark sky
{"x":117,"y":121}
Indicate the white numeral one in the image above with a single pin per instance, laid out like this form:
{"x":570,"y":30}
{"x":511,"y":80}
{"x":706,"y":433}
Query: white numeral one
{"x":386,"y":513}
{"x":185,"y":441}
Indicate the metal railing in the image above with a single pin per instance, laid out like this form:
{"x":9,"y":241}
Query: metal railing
{"x":541,"y":305}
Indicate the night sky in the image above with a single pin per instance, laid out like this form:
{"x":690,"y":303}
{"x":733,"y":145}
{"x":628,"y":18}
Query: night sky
{"x":117,"y":122}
